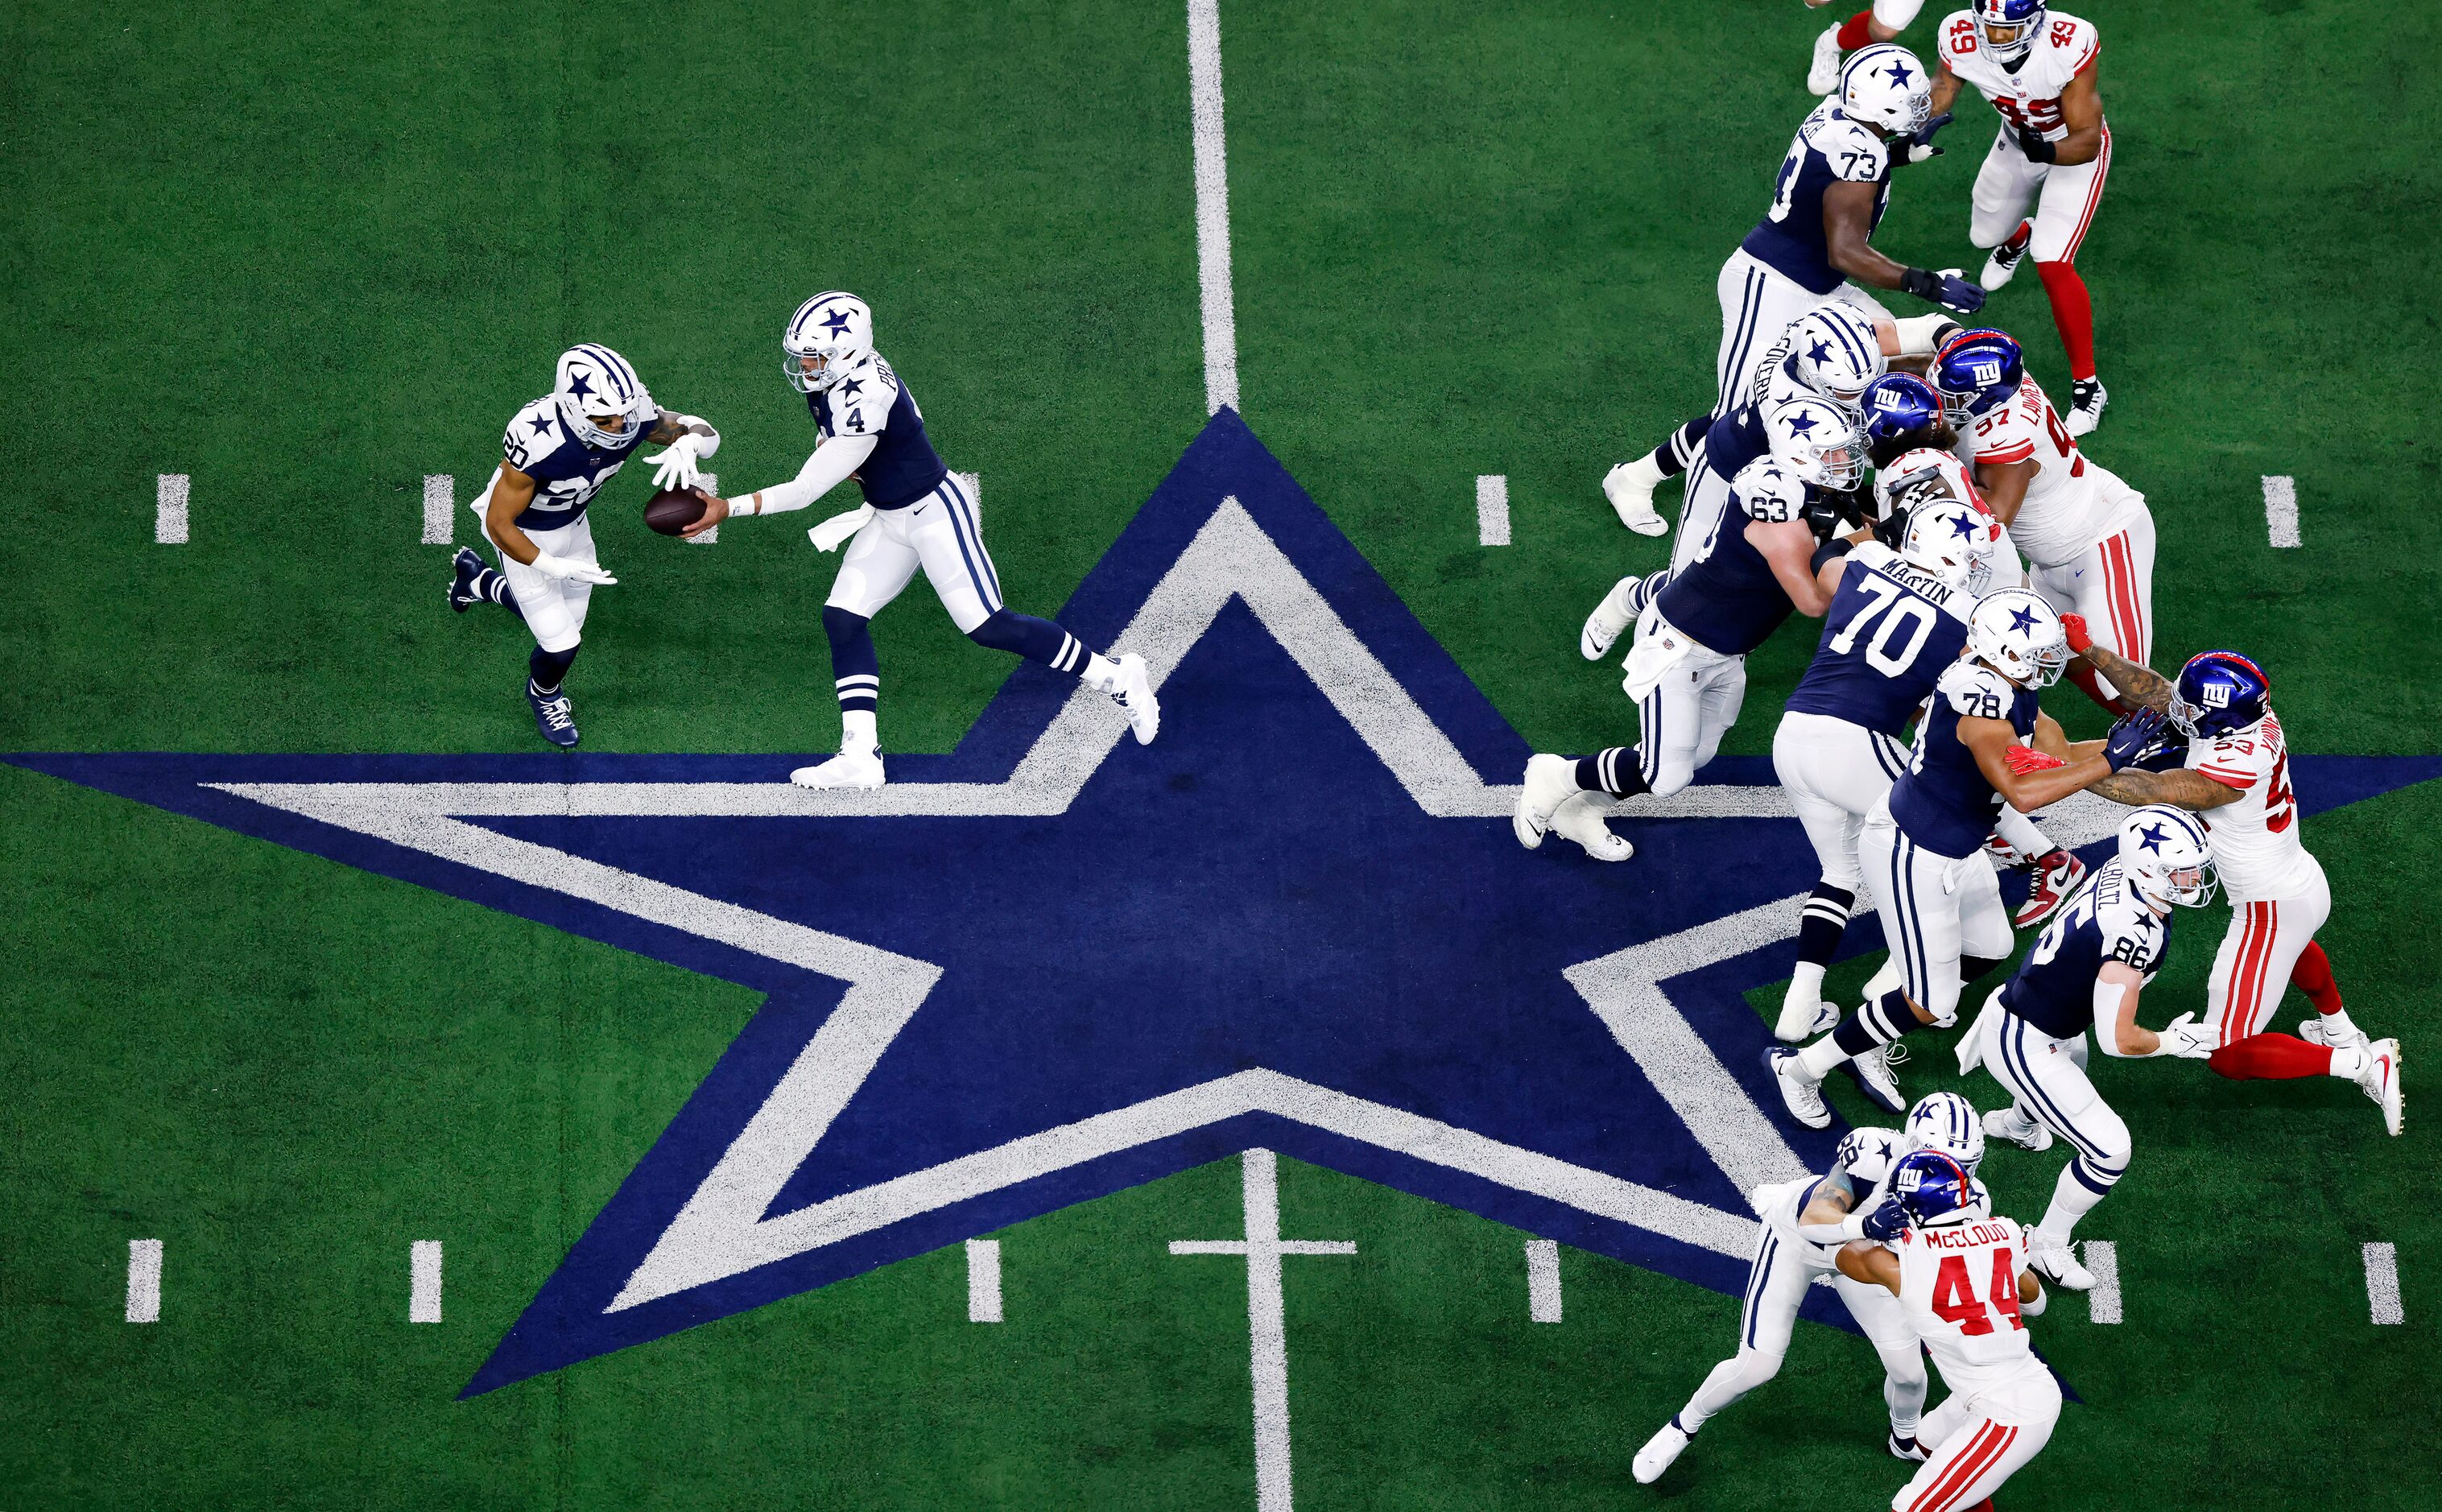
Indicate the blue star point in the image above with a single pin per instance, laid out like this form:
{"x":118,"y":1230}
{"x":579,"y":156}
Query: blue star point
{"x":836,"y":321}
{"x":576,"y":384}
{"x":851,"y":386}
{"x":2152,"y":838}
{"x":2022,"y":619}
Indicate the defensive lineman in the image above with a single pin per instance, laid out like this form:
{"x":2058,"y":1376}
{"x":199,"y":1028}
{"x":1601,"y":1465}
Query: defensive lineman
{"x":2235,"y":778}
{"x":1805,"y":1223}
{"x":556,"y":454}
{"x":915,"y":515}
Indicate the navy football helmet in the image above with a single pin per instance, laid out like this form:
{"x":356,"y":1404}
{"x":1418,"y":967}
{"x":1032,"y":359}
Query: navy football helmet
{"x":1976,"y":373}
{"x":2008,"y":28}
{"x":1933,"y":1186}
{"x":2218,"y":693}
{"x":1898,"y":404}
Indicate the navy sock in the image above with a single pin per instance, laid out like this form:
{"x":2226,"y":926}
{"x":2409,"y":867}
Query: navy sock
{"x":1821,"y":922}
{"x":1675,"y":455}
{"x":1037,"y":640}
{"x":1879,"y":1022}
{"x":548,"y":670}
{"x":856,"y":668}
{"x":491,"y":585}
{"x":1614,"y":771}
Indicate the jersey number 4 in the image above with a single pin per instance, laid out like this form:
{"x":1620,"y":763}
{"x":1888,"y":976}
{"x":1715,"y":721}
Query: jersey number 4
{"x":1955,"y":1299}
{"x":1900,"y":615}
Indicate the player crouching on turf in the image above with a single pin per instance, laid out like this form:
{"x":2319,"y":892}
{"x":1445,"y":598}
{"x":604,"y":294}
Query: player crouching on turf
{"x":556,"y":455}
{"x":2087,"y":971}
{"x":1805,"y":1223}
{"x":2235,"y":778}
{"x":915,"y":515}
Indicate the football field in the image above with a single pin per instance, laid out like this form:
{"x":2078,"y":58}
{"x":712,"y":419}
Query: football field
{"x":376,"y":1084}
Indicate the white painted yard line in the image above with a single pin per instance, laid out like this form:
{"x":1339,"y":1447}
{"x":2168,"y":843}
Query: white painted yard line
{"x":144,"y":1280}
{"x":170,"y":509}
{"x":1492,"y":510}
{"x":1212,"y":206}
{"x":423,"y":1281}
{"x":2281,"y":510}
{"x":709,"y":482}
{"x":2382,"y":1284}
{"x":1266,"y":1329}
{"x":1543,"y":1280}
{"x":983,"y":1280}
{"x":440,"y":511}
{"x":2102,"y":1258}
{"x":974,"y":485}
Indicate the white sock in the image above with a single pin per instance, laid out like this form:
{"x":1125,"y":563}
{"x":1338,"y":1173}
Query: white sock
{"x":1821,"y":1058}
{"x":2349,"y":1061}
{"x":2072,"y":1200}
{"x":1646,"y":470}
{"x":857,"y":731}
{"x":1806,"y":983}
{"x":1884,"y":980}
{"x":2340,"y":1026}
{"x":1102,"y":674}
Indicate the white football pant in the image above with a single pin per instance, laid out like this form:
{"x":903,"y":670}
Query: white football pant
{"x":1933,"y":909}
{"x":2111,"y":583}
{"x":938,"y":533}
{"x":2261,"y":948}
{"x":1834,"y":773}
{"x":554,"y":607}
{"x":2065,"y":208}
{"x":1681,"y":722}
{"x":2048,"y":1078}
{"x":1757,"y":304}
{"x":1980,"y":1439}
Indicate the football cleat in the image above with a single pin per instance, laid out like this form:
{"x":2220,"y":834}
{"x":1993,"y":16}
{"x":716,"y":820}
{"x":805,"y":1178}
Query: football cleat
{"x":2003,"y":265}
{"x":1906,"y":1449}
{"x":1872,"y":1071}
{"x":1134,"y":694}
{"x":2010,"y":1124}
{"x":2380,"y":1082}
{"x":1659,"y":1451}
{"x":1581,"y":818}
{"x":1803,"y":1015}
{"x":2314,"y":1032}
{"x":1822,"y":73}
{"x":1550,"y":781}
{"x":1616,"y":613}
{"x":553,"y":716}
{"x":1799,"y":1093}
{"x":464,"y":568}
{"x":2054,"y":1260}
{"x":1630,"y":488}
{"x":2004,"y":854}
{"x":2087,"y":397}
{"x":849,"y":769}
{"x":2054,"y":881}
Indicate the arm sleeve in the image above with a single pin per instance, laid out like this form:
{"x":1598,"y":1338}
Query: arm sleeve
{"x":824,"y":471}
{"x":2108,"y":999}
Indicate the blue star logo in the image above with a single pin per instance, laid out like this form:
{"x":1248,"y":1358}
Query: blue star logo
{"x":541,"y":425}
{"x":1900,"y":74}
{"x":1052,"y":964}
{"x":836,"y":321}
{"x":1803,"y":423}
{"x":2022,"y":619}
{"x":1965,"y":529}
{"x":1819,"y":353}
{"x":576,"y":384}
{"x":851,"y":386}
{"x":2152,"y":838}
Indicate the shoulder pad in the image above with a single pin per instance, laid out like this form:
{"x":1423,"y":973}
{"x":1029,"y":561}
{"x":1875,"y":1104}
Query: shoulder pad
{"x":1873,"y":553}
{"x":859,"y":404}
{"x":1769,"y":492}
{"x":534,"y":432}
{"x":1957,"y":35}
{"x":1855,"y":153}
{"x":1972,"y":689}
{"x":1869,"y":1154}
{"x":2073,"y":37}
{"x":2237,"y":760}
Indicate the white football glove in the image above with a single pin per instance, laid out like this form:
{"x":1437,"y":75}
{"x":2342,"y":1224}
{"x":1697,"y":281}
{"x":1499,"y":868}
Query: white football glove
{"x":2184,"y":1037}
{"x":677,"y":467}
{"x":561,"y":567}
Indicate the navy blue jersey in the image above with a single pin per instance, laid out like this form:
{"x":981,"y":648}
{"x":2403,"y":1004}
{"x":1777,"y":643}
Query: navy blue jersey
{"x":1891,"y":631}
{"x":2054,"y":987}
{"x":1943,"y":801}
{"x":567,"y":472}
{"x":870,"y":401}
{"x":1726,"y":598}
{"x":1829,"y":149}
{"x":1737,"y":438}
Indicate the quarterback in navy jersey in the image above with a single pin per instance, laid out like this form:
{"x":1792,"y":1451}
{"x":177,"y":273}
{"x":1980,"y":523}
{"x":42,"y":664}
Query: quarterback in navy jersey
{"x":555,"y":456}
{"x":915,"y":513}
{"x":1982,"y":743}
{"x":2086,"y":972}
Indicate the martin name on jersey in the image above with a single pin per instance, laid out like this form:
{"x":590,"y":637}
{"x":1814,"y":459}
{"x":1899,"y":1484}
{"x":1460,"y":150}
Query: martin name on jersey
{"x":567,"y":472}
{"x":2028,"y":95}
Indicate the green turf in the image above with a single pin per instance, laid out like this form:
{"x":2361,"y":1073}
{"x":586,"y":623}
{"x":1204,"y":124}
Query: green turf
{"x":309,"y":253}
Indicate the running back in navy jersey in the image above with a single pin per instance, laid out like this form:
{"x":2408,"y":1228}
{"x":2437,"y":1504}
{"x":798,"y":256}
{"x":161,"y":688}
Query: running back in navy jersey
{"x":1892,"y":629}
{"x":870,"y":401}
{"x":1943,"y":801}
{"x":567,"y":472}
{"x":1737,"y":438}
{"x":1829,"y":149}
{"x":1726,"y":599}
{"x":2053,"y":989}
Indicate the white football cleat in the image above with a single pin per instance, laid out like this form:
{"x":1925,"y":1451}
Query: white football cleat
{"x":1579,"y":818}
{"x":2380,"y":1082}
{"x":2314,"y":1032}
{"x":1550,"y":781}
{"x":1630,"y":488}
{"x":2010,"y":1124}
{"x":1906,"y":1449}
{"x":1803,"y":1015}
{"x":1134,"y":694}
{"x":1799,"y":1093}
{"x":1659,"y":1451}
{"x":2002,"y":265}
{"x":1822,"y":73}
{"x":1873,"y":1071}
{"x":849,"y":769}
{"x":2052,"y":1260}
{"x":2087,"y":398}
{"x":1616,"y":613}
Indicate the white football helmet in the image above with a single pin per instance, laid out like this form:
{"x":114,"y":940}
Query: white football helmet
{"x":1952,"y":541}
{"x":1821,"y":442}
{"x":1947,"y":1122}
{"x":595,"y":383}
{"x":1913,"y":477}
{"x":1884,"y":86}
{"x":824,"y":339}
{"x":2020,"y":636}
{"x":2167,"y":857}
{"x":1834,"y":349}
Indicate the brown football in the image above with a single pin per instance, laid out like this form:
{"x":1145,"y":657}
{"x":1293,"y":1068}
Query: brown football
{"x":673,"y":510}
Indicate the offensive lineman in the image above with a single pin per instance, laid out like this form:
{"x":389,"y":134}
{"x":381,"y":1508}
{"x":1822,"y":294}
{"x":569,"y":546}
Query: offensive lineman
{"x":2039,"y":72}
{"x":1805,"y":1222}
{"x":915,"y":515}
{"x":557,"y":453}
{"x":1812,"y":244}
{"x":2236,"y":780}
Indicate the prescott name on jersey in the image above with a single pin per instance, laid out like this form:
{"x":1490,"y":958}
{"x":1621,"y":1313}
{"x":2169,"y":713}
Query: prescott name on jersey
{"x":2256,"y":847}
{"x":1830,"y":148}
{"x":567,"y":472}
{"x":1943,"y":801}
{"x":2053,"y":989}
{"x":2030,"y":94}
{"x":1891,"y":631}
{"x":870,"y":401}
{"x":2072,"y":503}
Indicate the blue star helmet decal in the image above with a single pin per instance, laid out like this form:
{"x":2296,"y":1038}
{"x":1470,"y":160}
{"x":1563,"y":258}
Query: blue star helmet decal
{"x":836,"y":321}
{"x":1900,"y":74}
{"x":2151,"y":837}
{"x":2022,"y":619}
{"x":1965,"y":528}
{"x":1803,"y":423}
{"x":1051,"y":964}
{"x":1819,"y":352}
{"x":576,"y":384}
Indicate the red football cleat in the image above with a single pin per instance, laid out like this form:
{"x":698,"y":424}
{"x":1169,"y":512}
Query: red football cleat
{"x":2057,"y":877}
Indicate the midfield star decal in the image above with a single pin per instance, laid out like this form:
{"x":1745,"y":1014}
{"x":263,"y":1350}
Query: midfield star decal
{"x":1052,"y":964}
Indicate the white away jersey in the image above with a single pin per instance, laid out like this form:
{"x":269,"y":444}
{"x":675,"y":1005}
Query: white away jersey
{"x":2256,"y":847}
{"x":2072,"y":503}
{"x":1958,"y":1285}
{"x":2031,"y":96}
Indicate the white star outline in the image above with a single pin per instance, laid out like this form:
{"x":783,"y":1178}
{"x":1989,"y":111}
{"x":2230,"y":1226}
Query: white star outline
{"x":722,"y":1231}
